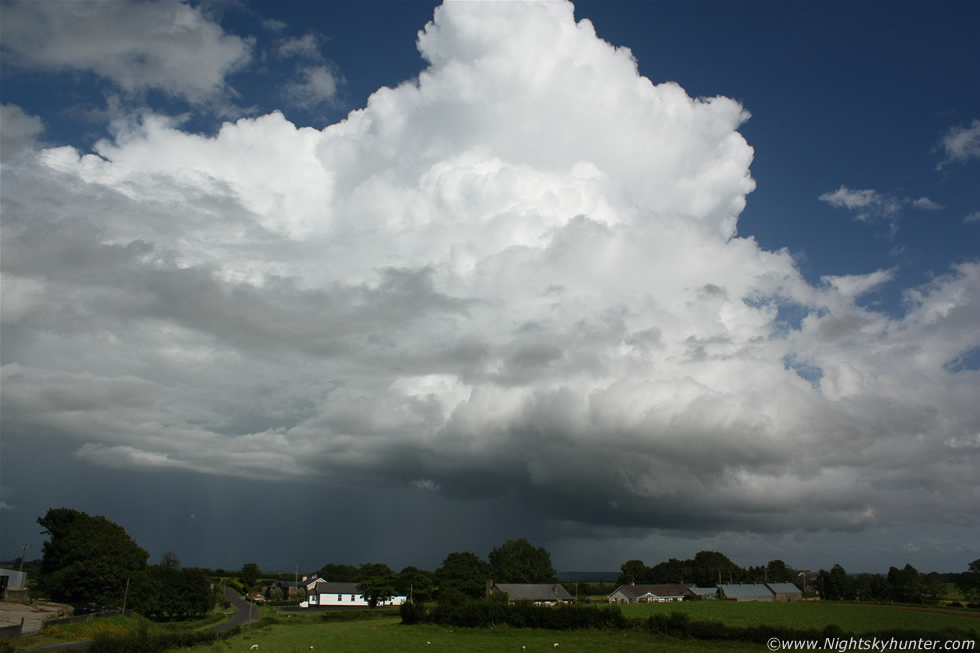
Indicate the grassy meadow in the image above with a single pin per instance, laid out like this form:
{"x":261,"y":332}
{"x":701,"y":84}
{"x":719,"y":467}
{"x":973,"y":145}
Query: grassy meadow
{"x":387,"y":634}
{"x":851,"y":617}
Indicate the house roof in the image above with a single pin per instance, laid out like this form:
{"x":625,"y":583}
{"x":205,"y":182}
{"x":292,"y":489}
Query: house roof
{"x":784,"y":588}
{"x":663,"y":591}
{"x":746,"y":590}
{"x":321,"y":586}
{"x":703,"y":591}
{"x":533,"y":592}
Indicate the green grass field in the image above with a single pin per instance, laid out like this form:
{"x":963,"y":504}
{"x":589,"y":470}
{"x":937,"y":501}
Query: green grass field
{"x":805,"y":614}
{"x":388,"y":635}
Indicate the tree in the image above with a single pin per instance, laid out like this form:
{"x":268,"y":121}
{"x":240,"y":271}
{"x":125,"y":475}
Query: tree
{"x":249,"y":575}
{"x":871,"y":587}
{"x":969,"y":583}
{"x":933,"y":588}
{"x":518,"y":561}
{"x":835,"y":585}
{"x":376,"y":583}
{"x":905,"y":584}
{"x":633,"y":571}
{"x":170,"y":560}
{"x":415,"y":583}
{"x":464,"y":572}
{"x":87,"y":559}
{"x":707,"y":566}
{"x":339,"y":573}
{"x":777,"y":571}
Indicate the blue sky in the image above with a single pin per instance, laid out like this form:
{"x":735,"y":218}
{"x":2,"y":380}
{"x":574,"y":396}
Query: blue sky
{"x":746,"y":323}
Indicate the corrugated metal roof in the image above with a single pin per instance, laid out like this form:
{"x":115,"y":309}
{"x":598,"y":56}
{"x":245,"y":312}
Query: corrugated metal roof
{"x":746,"y":590}
{"x":784,"y":588}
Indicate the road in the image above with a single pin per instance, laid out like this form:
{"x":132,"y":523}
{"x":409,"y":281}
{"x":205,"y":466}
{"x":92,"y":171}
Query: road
{"x":240,"y":618}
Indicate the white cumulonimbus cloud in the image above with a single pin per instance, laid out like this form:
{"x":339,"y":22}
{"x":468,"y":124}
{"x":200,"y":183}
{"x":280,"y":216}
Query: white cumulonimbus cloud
{"x":518,"y":273}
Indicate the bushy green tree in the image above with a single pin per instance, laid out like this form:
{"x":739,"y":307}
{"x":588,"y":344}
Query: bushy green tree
{"x":871,"y":587}
{"x":969,"y":583}
{"x":339,"y":573}
{"x":519,"y":561}
{"x":835,"y":585}
{"x":87,"y":559}
{"x":933,"y":588}
{"x":464,"y":572}
{"x":415,"y":583}
{"x":376,"y":583}
{"x":249,"y":575}
{"x":633,"y":572}
{"x":905,"y":584}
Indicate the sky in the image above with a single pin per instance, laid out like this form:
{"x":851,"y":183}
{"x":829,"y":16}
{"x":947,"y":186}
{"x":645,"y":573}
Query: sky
{"x":331,"y":282}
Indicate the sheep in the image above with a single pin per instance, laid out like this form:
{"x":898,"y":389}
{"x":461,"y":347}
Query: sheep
{"x":253,"y":647}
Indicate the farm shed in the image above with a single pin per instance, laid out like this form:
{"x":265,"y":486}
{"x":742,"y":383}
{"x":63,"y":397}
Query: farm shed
{"x":786,"y":591}
{"x":747,"y":592}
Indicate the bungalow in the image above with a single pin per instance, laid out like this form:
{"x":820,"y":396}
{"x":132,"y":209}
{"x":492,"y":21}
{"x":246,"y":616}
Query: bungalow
{"x":650,"y":593}
{"x":537,"y":593}
{"x":321,"y":593}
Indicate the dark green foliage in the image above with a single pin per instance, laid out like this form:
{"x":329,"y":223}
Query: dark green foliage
{"x":182,"y":593}
{"x":905,"y":584}
{"x":87,"y":559}
{"x":412,"y":612}
{"x":835,"y":585}
{"x":933,"y":588}
{"x":969,"y":582}
{"x":871,"y":587}
{"x":463,"y":572}
{"x":376,"y":583}
{"x":339,"y":573}
{"x":415,"y":583}
{"x":704,"y":570}
{"x":249,"y":575}
{"x":518,"y":561}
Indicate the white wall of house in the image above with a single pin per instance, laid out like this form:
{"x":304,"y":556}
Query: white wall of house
{"x":349,"y":600}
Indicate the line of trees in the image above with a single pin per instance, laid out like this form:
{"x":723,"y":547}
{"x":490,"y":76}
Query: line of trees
{"x":705,"y":569}
{"x":905,"y":585}
{"x":93,"y":561}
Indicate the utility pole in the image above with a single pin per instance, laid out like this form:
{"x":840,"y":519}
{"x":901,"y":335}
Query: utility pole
{"x":296,"y":580}
{"x":23,"y":554}
{"x":125,"y":597}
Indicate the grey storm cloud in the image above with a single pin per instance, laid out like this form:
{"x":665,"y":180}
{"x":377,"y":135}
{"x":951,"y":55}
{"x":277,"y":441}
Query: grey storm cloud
{"x":518,"y":274}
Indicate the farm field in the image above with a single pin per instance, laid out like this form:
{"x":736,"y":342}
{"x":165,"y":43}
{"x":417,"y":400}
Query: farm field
{"x":387,"y":634}
{"x":850,"y":617}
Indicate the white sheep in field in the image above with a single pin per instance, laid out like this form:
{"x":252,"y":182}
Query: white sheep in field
{"x":253,"y":647}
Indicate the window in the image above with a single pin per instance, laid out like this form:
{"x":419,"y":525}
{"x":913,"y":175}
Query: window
{"x":340,"y":597}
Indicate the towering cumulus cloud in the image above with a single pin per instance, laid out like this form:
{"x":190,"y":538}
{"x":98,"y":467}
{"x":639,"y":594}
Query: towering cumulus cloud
{"x":518,"y":273}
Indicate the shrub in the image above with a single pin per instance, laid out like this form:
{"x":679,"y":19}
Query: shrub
{"x":412,"y":612}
